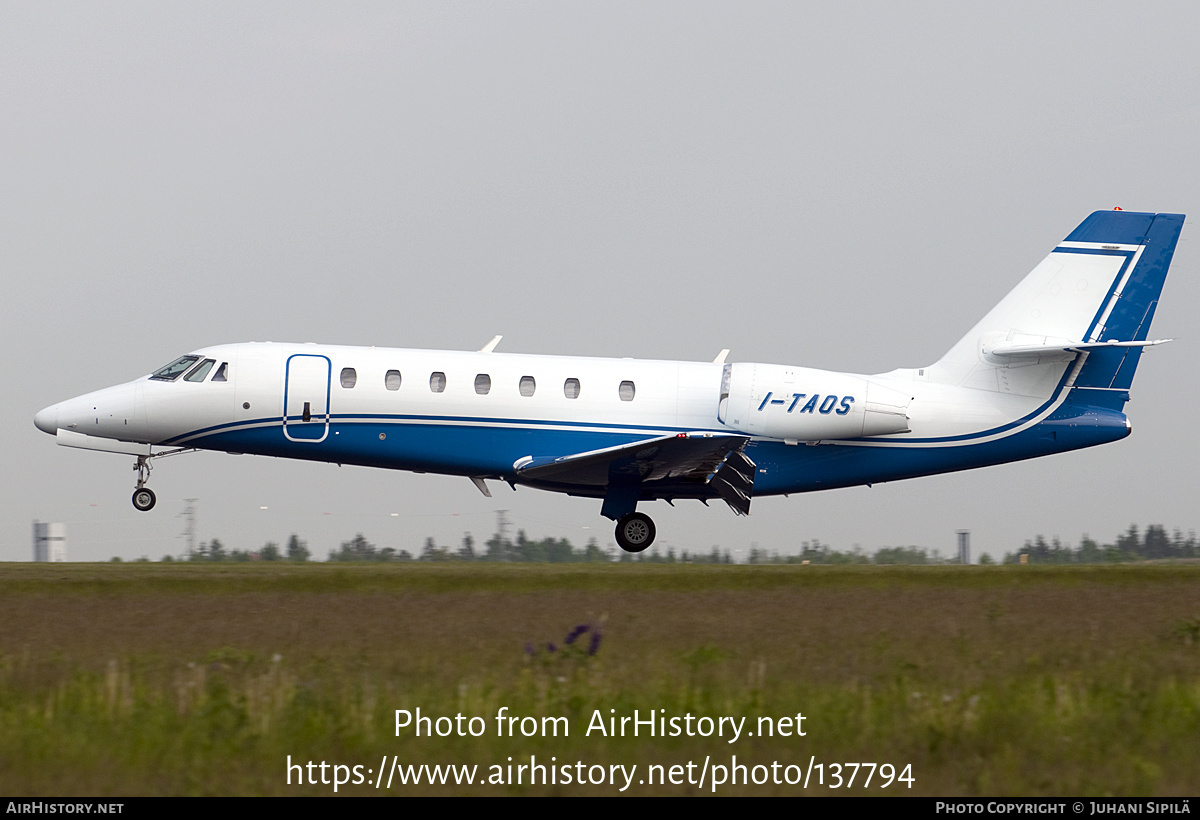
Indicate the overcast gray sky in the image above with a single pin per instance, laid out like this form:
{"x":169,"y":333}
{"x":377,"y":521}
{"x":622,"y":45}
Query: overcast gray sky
{"x":844,"y":186}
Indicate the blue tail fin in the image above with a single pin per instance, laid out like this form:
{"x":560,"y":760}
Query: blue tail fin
{"x":1151,"y":239}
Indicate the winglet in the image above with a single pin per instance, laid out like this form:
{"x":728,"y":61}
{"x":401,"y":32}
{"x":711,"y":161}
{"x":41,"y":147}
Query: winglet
{"x":490,"y":346}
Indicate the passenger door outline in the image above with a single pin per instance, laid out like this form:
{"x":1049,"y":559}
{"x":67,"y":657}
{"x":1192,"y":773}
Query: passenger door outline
{"x":306,"y":398}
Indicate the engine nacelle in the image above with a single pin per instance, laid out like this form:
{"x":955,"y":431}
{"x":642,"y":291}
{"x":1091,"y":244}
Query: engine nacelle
{"x":802,"y":404}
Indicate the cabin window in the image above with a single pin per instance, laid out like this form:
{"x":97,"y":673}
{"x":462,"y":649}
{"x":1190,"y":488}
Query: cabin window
{"x":571,"y":388}
{"x":528,"y":385}
{"x":175,"y":369}
{"x":392,"y":380}
{"x":437,"y":381}
{"x":349,"y":377}
{"x":626,"y":391}
{"x":222,"y":373}
{"x":483,"y":384}
{"x":199,"y":371}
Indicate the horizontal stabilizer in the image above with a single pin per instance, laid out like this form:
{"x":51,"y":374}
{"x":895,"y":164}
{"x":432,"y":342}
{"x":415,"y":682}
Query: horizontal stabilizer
{"x":1014,"y":350}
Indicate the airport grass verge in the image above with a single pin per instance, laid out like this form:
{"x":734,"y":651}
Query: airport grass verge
{"x":131,"y":679}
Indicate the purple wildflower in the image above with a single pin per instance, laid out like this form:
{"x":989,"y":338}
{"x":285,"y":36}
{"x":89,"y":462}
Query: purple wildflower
{"x":551,"y":647}
{"x":594,"y":645}
{"x":575,"y":633}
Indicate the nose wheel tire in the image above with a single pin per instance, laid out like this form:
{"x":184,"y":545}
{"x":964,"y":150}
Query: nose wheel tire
{"x":144,"y":499}
{"x":635,"y":532}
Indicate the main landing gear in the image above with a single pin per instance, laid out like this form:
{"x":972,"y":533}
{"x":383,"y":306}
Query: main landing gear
{"x":635,"y":532}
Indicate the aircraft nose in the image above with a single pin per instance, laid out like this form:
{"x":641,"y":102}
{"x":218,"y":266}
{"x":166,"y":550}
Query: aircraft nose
{"x":47,"y":420}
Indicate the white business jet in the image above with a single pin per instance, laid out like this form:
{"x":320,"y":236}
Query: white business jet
{"x":1047,"y":370}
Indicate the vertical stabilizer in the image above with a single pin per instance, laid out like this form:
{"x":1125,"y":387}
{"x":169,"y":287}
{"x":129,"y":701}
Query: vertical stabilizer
{"x":1100,"y":285}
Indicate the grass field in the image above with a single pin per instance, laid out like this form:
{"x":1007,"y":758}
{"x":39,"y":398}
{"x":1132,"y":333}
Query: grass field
{"x":132,"y":679}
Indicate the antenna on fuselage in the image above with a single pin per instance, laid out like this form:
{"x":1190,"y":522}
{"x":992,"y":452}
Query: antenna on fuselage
{"x":490,"y":346}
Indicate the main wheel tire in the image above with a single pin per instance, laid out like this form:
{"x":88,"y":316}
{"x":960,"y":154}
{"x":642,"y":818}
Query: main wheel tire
{"x":635,"y":532}
{"x":144,"y":499}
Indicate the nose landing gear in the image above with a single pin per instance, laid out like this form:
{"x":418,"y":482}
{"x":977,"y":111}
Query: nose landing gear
{"x":144,"y":499}
{"x":143,"y":496}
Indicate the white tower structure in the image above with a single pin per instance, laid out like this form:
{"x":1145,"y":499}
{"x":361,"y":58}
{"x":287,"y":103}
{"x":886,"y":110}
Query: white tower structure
{"x":964,"y":547}
{"x":49,"y":541}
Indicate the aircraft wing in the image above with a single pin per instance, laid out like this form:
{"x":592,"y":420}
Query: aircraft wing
{"x":704,"y":457}
{"x":677,"y":456}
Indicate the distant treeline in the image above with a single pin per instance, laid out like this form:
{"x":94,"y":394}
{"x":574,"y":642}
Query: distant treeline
{"x":551,"y":551}
{"x":1130,"y":546}
{"x":214,"y":550}
{"x":814,"y":552}
{"x":561,"y":551}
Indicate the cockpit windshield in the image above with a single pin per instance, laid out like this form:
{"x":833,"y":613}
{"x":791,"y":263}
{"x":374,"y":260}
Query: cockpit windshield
{"x":171,"y":372}
{"x":199,"y":371}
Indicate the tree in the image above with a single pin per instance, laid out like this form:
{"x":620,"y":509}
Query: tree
{"x":901,"y":555}
{"x":1129,"y":544}
{"x":214,"y":550}
{"x":466,"y":552}
{"x":297,"y":550}
{"x":593,"y":554}
{"x":1155,"y":543}
{"x":432,"y":552}
{"x":357,"y":548}
{"x":498,"y":549}
{"x":1089,"y":551}
{"x":1039,"y":551}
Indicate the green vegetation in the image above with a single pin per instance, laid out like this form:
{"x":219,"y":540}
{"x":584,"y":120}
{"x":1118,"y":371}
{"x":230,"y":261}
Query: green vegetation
{"x":1127,"y":547}
{"x":202,"y":678}
{"x":214,"y":551}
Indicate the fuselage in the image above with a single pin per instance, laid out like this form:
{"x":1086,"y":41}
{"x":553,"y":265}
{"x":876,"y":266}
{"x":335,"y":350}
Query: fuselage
{"x":478,"y":414}
{"x":1048,"y":369}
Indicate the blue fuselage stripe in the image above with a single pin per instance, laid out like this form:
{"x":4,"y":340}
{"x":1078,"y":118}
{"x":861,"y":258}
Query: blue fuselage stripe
{"x":491,"y":450}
